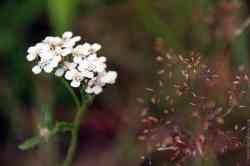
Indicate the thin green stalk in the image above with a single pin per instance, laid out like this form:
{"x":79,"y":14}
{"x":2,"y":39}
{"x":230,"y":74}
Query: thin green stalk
{"x":86,"y":100}
{"x":71,"y":91}
{"x":75,"y":131}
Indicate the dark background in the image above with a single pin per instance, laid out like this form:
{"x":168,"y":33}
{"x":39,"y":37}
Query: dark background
{"x":127,"y":30}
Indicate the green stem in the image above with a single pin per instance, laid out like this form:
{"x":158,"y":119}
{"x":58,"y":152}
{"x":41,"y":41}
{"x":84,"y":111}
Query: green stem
{"x":75,"y":131}
{"x":71,"y":91}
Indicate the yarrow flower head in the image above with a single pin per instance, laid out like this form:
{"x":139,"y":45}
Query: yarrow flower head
{"x":77,"y":63}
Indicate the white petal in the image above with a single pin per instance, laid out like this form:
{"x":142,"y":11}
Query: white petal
{"x":56,"y":41}
{"x":36,"y":69}
{"x":102,"y":59}
{"x":53,"y":63}
{"x":57,"y":59}
{"x":53,"y":40}
{"x":82,"y":49}
{"x":100,"y":68}
{"x":69,"y":65}
{"x":87,"y":74}
{"x":97,"y":90}
{"x":48,"y":39}
{"x":48,"y":68}
{"x":58,"y":50}
{"x":31,"y":57}
{"x":69,"y":75}
{"x":76,"y":38}
{"x":85,"y":49}
{"x":84,"y":65}
{"x":109,"y":77}
{"x":77,"y":49}
{"x":42,"y":47}
{"x":67,"y":35}
{"x":59,"y":72}
{"x":96,"y":47}
{"x":75,"y":83}
{"x":46,"y":54}
{"x":92,"y":57}
{"x":77,"y":59}
{"x":66,"y":51}
{"x":69,"y":44}
{"x":32,"y":50}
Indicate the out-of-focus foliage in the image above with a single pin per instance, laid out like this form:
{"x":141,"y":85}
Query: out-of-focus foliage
{"x":126,"y":29}
{"x":62,"y":14}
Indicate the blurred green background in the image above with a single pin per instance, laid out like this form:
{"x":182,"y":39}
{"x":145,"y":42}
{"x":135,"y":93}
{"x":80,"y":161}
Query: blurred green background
{"x":127,"y":30}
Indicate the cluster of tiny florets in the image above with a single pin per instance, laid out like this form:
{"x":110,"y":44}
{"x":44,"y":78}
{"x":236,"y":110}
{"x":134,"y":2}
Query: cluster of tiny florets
{"x":191,"y":81}
{"x":77,"y":63}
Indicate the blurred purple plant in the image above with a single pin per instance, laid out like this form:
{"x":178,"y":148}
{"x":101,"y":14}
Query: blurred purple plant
{"x":184,"y":114}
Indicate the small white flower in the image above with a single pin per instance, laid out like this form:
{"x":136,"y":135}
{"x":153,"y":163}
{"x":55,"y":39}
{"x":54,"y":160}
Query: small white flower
{"x":77,"y":59}
{"x":91,"y":49}
{"x":67,"y":35}
{"x":63,"y":46}
{"x":94,"y":90}
{"x":63,"y":51}
{"x":32,"y":53}
{"x":69,"y":65}
{"x":80,"y":49}
{"x":59,"y":72}
{"x":93,"y":64}
{"x":35,"y":51}
{"x":84,"y":50}
{"x":76,"y":63}
{"x":109,"y":77}
{"x":75,"y":83}
{"x":66,"y":66}
{"x":31,"y":57}
{"x":53,"y":41}
{"x":95,"y":86}
{"x":48,"y":68}
{"x":48,"y":64}
{"x":36,"y":69}
{"x":75,"y":76}
{"x":80,"y":52}
{"x":47,"y":54}
{"x":69,"y":41}
{"x":95,"y":47}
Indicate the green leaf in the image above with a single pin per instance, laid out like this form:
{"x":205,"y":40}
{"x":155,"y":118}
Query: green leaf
{"x":63,"y":127}
{"x":30,"y":143}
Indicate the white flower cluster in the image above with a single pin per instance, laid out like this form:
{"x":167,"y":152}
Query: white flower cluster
{"x":77,"y":63}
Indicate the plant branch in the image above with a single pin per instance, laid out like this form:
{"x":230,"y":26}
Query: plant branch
{"x":75,"y":131}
